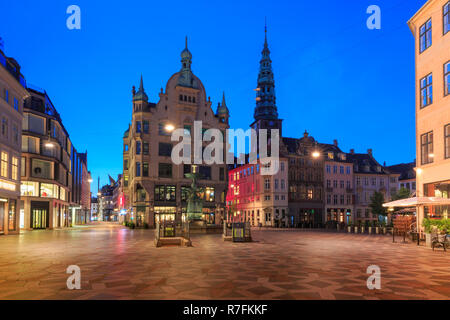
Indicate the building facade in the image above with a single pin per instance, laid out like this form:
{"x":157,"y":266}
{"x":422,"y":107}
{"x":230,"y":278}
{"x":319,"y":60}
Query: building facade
{"x":106,"y":204}
{"x":407,"y":179}
{"x":51,"y":169}
{"x":94,"y":209}
{"x":338,"y":185}
{"x":154,"y":186}
{"x":370,"y":177}
{"x":431,"y":29}
{"x":259,"y":199}
{"x":12,"y":92}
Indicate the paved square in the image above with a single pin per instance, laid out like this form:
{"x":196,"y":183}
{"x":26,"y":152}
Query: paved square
{"x":118,"y":263}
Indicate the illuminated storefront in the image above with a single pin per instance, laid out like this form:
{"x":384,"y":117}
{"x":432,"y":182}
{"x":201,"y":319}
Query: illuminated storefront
{"x":440,"y":190}
{"x":44,"y":206}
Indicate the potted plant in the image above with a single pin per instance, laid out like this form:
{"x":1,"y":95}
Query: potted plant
{"x":349,"y":227}
{"x":370,"y":223}
{"x":356,"y":226}
{"x":428,"y":226}
{"x":377,"y":227}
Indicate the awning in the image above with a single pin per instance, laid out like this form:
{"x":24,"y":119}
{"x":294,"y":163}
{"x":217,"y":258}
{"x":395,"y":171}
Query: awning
{"x":418,"y":201}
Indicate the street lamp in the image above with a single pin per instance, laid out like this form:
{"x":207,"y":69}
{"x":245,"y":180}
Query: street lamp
{"x":316,"y":154}
{"x":169,"y":127}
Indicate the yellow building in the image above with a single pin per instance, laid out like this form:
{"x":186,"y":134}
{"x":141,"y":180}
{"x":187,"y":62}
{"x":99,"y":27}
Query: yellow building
{"x":431,"y":29}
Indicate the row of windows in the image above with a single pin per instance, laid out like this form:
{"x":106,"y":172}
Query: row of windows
{"x":425,"y":30}
{"x":342,"y":199}
{"x":373,"y":181}
{"x":342,"y":184}
{"x":342,"y":169}
{"x":426,"y":86}
{"x":168,"y":193}
{"x":41,"y":189}
{"x":426,"y":146}
{"x":165,"y":170}
{"x":186,"y":98}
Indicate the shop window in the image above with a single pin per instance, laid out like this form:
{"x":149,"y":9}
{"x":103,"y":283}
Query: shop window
{"x":12,"y":215}
{"x":29,"y":189}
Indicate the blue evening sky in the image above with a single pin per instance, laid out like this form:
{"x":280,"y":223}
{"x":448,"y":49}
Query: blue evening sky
{"x":334,"y":77}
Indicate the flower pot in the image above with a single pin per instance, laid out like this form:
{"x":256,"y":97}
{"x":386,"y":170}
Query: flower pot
{"x":356,"y":229}
{"x":363,"y":229}
{"x":349,"y":229}
{"x":377,"y":230}
{"x":370,"y":230}
{"x":384,"y":230}
{"x":337,"y":227}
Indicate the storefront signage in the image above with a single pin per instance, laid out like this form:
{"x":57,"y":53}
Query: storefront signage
{"x":7,"y":185}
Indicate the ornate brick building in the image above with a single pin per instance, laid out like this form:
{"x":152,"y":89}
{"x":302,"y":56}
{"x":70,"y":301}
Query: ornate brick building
{"x":155,"y":187}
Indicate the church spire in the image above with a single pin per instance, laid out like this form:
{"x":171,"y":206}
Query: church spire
{"x":141,"y":84}
{"x":265,"y":97}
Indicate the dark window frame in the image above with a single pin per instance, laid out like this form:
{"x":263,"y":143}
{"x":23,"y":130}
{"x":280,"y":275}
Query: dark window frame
{"x":447,"y":141}
{"x":447,"y":74}
{"x":426,"y":148}
{"x":427,"y":32}
{"x":161,"y":174}
{"x":446,"y":15}
{"x":427,"y":86}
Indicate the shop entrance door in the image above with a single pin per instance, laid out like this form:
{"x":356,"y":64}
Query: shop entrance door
{"x":39,"y":218}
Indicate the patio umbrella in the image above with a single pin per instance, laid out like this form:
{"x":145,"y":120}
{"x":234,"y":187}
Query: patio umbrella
{"x":418,"y":201}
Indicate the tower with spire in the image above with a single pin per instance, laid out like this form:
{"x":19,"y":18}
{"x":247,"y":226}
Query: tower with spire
{"x":140,"y":98}
{"x":266,"y":114}
{"x":222,"y":111}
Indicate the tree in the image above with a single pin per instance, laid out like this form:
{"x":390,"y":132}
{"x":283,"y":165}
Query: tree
{"x":402,"y":193}
{"x":376,"y":204}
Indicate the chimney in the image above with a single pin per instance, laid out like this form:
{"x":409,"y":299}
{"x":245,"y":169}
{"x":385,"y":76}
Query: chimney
{"x":352,"y":151}
{"x":335,"y":142}
{"x":369,"y":151}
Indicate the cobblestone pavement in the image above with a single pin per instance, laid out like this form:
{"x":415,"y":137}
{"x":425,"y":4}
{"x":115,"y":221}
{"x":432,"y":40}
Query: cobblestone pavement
{"x":118,"y":263}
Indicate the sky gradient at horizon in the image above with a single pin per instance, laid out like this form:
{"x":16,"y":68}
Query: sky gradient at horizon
{"x":333,"y":76}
